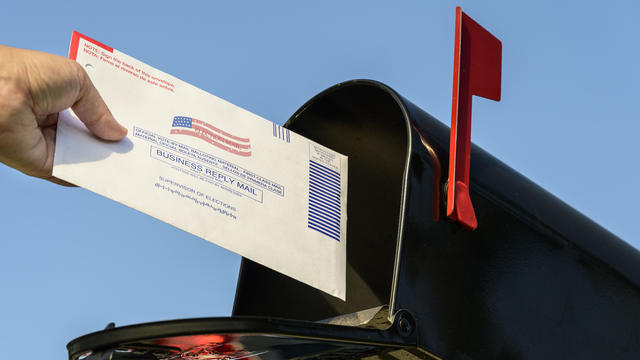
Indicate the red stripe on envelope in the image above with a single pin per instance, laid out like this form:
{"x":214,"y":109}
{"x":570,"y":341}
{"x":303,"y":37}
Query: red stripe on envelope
{"x":75,"y":41}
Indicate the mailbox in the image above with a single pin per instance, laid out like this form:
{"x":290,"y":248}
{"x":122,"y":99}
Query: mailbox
{"x":535,"y":279}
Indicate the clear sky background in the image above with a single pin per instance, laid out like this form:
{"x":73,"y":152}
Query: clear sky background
{"x":72,"y":261}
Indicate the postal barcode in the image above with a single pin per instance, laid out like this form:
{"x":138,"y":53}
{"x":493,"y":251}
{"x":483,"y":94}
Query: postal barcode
{"x":281,"y":133}
{"x":324,"y":200}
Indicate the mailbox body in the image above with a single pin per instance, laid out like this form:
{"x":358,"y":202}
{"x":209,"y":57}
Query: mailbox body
{"x":536,"y":279}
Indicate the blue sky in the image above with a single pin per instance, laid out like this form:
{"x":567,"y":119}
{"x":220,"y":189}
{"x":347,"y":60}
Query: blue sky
{"x":72,"y":261}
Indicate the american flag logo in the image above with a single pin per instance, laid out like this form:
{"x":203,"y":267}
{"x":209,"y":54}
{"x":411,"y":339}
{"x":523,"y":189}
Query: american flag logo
{"x":221,"y":139}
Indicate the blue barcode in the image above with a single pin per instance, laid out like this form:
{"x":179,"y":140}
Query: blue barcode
{"x":324,"y":200}
{"x":281,"y":133}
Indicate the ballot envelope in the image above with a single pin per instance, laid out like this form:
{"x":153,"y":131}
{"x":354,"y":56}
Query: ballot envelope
{"x":210,"y":168}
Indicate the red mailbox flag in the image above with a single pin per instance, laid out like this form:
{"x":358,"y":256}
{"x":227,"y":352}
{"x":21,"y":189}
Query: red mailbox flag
{"x":477,"y":68}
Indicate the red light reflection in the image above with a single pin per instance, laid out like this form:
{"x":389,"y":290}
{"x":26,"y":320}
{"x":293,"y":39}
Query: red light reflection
{"x":211,"y":346}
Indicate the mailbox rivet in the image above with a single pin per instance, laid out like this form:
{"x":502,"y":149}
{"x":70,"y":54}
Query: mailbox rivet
{"x":405,"y":324}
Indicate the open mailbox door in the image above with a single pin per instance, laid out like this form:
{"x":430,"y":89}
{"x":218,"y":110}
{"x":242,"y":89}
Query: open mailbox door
{"x":536,"y":279}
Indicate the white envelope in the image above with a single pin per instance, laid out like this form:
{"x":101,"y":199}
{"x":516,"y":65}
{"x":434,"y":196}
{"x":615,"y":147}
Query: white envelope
{"x":210,"y":168}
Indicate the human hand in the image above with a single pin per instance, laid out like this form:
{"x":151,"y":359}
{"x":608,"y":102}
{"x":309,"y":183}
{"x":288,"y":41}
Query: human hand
{"x":34,"y":88}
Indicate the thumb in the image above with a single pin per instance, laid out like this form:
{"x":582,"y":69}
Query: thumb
{"x":93,"y":112}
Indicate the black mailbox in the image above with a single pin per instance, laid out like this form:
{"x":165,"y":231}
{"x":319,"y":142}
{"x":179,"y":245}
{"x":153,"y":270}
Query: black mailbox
{"x":535,"y":280}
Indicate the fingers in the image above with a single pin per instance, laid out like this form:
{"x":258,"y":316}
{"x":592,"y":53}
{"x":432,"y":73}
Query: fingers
{"x":93,"y":112}
{"x":49,"y":136}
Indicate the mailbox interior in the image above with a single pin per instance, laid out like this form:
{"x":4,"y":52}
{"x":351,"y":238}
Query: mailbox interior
{"x":365,"y":121}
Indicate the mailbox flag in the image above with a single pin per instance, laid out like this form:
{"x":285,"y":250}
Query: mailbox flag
{"x":477,"y":68}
